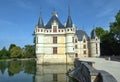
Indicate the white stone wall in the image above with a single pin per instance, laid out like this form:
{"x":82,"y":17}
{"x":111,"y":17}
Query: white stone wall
{"x":69,"y":43}
{"x":93,"y":48}
{"x":57,"y":59}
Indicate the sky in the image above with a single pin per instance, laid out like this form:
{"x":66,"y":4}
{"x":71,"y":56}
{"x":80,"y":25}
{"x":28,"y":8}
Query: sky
{"x":19,"y":17}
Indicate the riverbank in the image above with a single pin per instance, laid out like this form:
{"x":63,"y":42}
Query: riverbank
{"x":17,"y":59}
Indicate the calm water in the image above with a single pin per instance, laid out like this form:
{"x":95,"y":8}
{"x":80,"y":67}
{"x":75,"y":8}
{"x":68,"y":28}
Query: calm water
{"x":28,"y":71}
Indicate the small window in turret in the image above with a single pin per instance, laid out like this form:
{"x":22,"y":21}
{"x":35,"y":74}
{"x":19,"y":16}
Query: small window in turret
{"x":67,"y":29}
{"x":41,"y":30}
{"x":38,"y":30}
{"x":71,"y":29}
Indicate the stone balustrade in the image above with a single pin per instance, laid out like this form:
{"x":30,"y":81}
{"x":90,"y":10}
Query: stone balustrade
{"x":85,"y":72}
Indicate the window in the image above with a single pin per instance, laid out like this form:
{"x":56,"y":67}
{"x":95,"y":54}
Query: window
{"x":73,"y":39}
{"x":96,"y":48}
{"x":50,"y":30}
{"x":55,"y":77}
{"x":84,"y":40}
{"x":76,"y":55}
{"x":54,"y":39}
{"x":38,"y":30}
{"x":84,"y":46}
{"x":84,"y":52}
{"x":67,"y":29}
{"x":62,"y":30}
{"x":59,"y":30}
{"x":76,"y":46}
{"x":54,"y":29}
{"x":54,"y":50}
{"x":36,"y":39}
{"x":41,"y":30}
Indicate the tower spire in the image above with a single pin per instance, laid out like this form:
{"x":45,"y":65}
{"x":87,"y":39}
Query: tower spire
{"x":68,"y":10}
{"x":40,"y":22}
{"x":69,"y":20}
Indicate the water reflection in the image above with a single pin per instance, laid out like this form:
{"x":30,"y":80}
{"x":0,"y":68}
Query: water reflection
{"x":28,"y":71}
{"x":52,"y":73}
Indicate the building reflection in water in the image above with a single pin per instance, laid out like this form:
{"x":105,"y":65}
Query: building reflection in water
{"x":52,"y":73}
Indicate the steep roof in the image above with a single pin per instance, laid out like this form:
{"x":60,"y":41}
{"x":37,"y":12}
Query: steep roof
{"x":40,"y":23}
{"x":54,"y":18}
{"x":69,"y":22}
{"x":80,"y":34}
{"x":93,"y":34}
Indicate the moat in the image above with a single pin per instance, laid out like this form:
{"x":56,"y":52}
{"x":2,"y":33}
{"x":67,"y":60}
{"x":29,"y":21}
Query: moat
{"x":29,"y":71}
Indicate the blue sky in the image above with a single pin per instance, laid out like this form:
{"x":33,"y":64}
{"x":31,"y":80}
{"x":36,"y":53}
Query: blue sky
{"x":19,"y":17}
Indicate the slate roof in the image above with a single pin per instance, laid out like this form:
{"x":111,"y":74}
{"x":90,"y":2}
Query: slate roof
{"x":93,"y":34}
{"x":80,"y":34}
{"x":54,"y":18}
{"x":69,"y":22}
{"x":40,"y":23}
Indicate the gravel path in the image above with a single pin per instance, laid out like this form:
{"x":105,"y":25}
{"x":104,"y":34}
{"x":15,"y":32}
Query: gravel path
{"x":113,"y":67}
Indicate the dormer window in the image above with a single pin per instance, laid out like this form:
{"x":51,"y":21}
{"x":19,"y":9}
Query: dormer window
{"x":84,"y":40}
{"x":54,"y":28}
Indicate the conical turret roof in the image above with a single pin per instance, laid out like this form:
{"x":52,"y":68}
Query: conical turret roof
{"x":69,"y":22}
{"x":93,"y":34}
{"x":40,"y":23}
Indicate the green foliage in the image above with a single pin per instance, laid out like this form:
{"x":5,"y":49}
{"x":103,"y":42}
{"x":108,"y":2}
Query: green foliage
{"x":14,"y":67}
{"x":29,"y":51}
{"x":16,"y":52}
{"x":4,"y":53}
{"x":100,"y":32}
{"x":110,"y":40}
{"x":3,"y":66}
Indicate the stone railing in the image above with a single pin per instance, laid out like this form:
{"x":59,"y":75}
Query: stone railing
{"x":84,"y":72}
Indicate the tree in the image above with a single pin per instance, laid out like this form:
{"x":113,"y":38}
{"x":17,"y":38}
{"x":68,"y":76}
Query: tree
{"x":29,"y":51}
{"x":4,"y":53}
{"x":100,"y":32}
{"x":115,"y":33}
{"x":16,"y":52}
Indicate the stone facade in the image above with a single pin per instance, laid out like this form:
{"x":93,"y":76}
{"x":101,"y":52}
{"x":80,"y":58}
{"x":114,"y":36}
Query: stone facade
{"x":58,"y":42}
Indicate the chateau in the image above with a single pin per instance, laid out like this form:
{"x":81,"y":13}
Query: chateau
{"x":60,"y":43}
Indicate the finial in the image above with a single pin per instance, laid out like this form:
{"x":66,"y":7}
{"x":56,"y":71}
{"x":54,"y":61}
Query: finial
{"x":68,"y":10}
{"x":55,"y":13}
{"x":40,"y":12}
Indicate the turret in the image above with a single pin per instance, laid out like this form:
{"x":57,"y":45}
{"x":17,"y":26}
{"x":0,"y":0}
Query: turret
{"x":94,"y":45}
